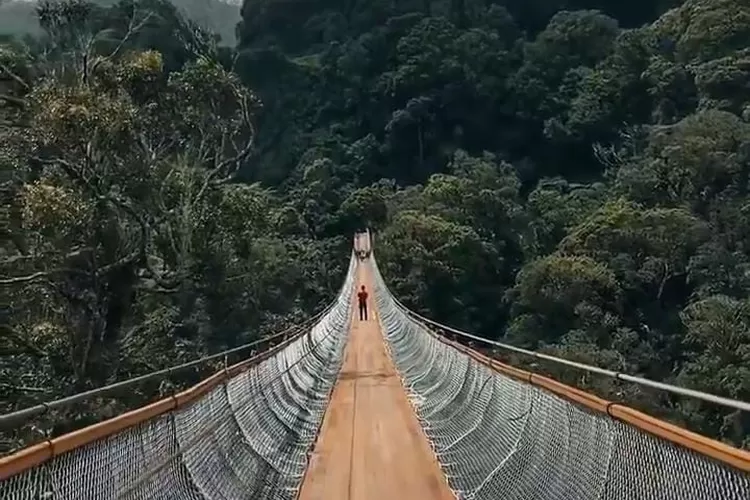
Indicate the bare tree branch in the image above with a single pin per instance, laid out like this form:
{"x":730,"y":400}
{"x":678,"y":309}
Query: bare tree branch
{"x":18,"y":338}
{"x":145,"y":230}
{"x":133,"y":28}
{"x":13,"y":76}
{"x":73,"y":172}
{"x":12,"y":124}
{"x":13,"y":101}
{"x":78,"y":252}
{"x":50,"y":273}
{"x":23,"y":388}
{"x":28,"y":278}
{"x":234,"y":161}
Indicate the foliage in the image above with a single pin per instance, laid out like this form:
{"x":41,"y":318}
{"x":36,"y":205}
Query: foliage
{"x":567,"y":175}
{"x":131,"y":245}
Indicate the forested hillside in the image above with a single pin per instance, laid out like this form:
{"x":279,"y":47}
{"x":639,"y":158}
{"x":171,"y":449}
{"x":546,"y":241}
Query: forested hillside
{"x":565,"y":175}
{"x":568,"y":175}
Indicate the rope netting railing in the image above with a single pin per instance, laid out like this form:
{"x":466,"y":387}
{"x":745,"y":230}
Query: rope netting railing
{"x":244,"y":433}
{"x":208,"y":363}
{"x":497,"y":436}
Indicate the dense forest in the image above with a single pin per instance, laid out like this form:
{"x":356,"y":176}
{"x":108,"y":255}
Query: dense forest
{"x":563,"y":175}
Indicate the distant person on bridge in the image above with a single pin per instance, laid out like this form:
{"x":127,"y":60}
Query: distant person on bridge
{"x":362,"y":296}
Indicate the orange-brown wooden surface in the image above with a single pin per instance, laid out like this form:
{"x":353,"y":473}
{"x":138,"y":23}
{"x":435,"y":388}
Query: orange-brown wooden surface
{"x":371,"y":446}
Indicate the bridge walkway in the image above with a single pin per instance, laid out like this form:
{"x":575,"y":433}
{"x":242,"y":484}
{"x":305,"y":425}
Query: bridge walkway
{"x":371,"y":446}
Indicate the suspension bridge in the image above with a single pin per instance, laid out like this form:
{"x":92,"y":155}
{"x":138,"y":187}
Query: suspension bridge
{"x":387,"y":408}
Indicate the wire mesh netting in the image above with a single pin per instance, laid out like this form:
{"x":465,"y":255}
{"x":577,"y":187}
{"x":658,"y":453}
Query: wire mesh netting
{"x":498,"y":438}
{"x":246,"y":439}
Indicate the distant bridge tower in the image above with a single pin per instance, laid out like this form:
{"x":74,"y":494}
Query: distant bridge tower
{"x":362,"y":244}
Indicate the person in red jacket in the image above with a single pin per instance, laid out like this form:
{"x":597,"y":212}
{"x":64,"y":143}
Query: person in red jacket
{"x":362,"y":296}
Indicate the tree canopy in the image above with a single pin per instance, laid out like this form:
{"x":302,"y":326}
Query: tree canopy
{"x":569,"y":176}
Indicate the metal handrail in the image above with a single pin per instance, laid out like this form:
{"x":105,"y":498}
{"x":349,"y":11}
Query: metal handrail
{"x":674,"y":389}
{"x":14,"y":419}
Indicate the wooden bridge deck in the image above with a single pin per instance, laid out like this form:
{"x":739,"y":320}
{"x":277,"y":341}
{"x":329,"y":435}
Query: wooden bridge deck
{"x":371,"y":446}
